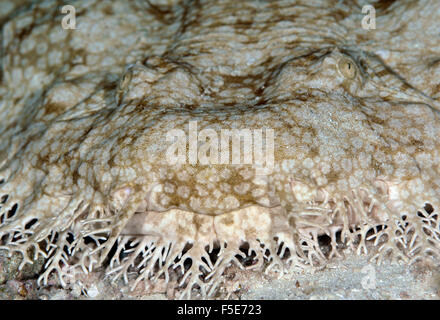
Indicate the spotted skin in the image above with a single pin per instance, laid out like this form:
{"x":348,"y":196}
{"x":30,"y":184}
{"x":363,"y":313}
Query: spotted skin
{"x":84,"y":154}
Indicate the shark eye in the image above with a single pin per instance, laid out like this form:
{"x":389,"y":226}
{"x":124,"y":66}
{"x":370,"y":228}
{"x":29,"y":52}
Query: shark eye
{"x":347,"y":68}
{"x":125,"y":81}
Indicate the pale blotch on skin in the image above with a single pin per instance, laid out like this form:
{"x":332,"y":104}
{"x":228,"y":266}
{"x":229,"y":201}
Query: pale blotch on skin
{"x":84,"y":116}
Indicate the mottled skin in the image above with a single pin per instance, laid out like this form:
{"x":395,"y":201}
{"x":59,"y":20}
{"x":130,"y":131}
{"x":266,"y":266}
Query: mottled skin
{"x":83,"y":154}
